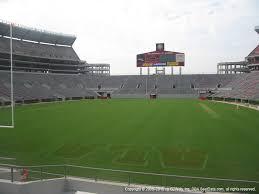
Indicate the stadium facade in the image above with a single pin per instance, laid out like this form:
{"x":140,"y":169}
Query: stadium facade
{"x":42,"y":51}
{"x":257,"y":29}
{"x":250,"y":64}
{"x":47,"y":68}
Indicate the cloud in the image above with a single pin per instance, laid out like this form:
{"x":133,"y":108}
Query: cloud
{"x":215,"y":3}
{"x":115,"y":31}
{"x":171,"y":16}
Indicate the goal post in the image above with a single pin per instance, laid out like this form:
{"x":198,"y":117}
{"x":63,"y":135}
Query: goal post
{"x":9,"y":110}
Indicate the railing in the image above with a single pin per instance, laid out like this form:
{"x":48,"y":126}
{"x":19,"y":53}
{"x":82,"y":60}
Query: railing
{"x":14,"y":172}
{"x":43,"y":172}
{"x":253,"y":104}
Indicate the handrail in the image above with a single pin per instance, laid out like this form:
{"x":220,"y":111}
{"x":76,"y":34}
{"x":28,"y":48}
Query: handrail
{"x":131,"y":172}
{"x":55,"y":174}
{"x":34,"y":166}
{"x":165,"y":175}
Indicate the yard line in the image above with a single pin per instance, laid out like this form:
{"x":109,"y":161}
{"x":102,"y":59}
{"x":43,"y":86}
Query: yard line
{"x":209,"y":110}
{"x":6,"y":158}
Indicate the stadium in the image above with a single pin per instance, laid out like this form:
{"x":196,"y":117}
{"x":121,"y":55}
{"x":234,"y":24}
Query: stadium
{"x":65,"y":119}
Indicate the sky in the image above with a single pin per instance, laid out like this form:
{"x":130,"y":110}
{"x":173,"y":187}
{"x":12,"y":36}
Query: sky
{"x":115,"y":31}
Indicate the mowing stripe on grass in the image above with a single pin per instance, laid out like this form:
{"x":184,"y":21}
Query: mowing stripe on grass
{"x":205,"y":162}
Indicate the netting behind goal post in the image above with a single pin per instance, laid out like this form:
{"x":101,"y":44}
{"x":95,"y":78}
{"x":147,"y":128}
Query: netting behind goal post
{"x":7,"y":89}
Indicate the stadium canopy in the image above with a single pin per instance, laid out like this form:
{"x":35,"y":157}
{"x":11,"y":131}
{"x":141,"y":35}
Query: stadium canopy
{"x":32,"y":34}
{"x":257,"y":29}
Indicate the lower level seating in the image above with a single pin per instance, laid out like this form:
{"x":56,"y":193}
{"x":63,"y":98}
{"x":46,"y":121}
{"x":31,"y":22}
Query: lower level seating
{"x":31,"y":86}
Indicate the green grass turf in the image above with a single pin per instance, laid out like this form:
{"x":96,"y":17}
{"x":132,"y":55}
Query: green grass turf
{"x":105,"y":133}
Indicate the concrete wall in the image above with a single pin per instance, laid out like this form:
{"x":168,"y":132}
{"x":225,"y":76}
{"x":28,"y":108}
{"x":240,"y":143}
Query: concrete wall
{"x":68,"y":186}
{"x":170,"y":96}
{"x":129,"y":96}
{"x":37,"y":187}
{"x":105,"y":187}
{"x":6,"y":174}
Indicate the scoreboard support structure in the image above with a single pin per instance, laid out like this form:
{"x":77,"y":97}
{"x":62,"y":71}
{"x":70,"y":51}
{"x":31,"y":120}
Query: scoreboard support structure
{"x":160,"y":71}
{"x":160,"y":60}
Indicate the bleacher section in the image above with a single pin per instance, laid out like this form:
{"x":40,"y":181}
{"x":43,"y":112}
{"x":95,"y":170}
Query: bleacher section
{"x":41,"y":86}
{"x":38,"y":51}
{"x":26,"y":48}
{"x":245,"y":86}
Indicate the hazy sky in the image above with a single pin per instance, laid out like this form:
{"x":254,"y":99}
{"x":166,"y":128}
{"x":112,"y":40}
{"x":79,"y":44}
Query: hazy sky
{"x":114,"y":31}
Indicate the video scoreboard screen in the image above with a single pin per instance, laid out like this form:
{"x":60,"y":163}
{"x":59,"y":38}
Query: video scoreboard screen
{"x":160,"y":58}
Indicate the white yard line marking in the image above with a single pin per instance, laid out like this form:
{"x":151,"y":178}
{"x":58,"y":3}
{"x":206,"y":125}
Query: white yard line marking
{"x":205,"y":162}
{"x":7,"y":158}
{"x":209,"y":110}
{"x":6,"y":126}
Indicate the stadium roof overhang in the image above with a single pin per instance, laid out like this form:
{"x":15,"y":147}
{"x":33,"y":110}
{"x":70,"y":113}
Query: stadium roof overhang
{"x":32,"y":34}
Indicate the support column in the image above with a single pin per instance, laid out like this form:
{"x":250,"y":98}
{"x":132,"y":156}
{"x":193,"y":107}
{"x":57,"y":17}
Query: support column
{"x":148,"y":72}
{"x":180,"y":71}
{"x":172,"y":70}
{"x":11,"y":71}
{"x":156,"y":85}
{"x":140,"y":71}
{"x":146,"y":85}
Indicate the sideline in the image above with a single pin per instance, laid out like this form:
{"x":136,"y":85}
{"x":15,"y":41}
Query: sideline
{"x":7,"y":158}
{"x":39,"y":103}
{"x":247,"y":105}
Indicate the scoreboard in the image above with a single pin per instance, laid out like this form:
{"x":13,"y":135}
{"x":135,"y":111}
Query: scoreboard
{"x":160,"y":58}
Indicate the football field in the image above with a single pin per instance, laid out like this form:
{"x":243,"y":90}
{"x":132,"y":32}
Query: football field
{"x":183,"y":137}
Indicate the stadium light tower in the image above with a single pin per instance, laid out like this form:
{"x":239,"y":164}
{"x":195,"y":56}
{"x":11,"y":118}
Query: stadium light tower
{"x":257,"y":29}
